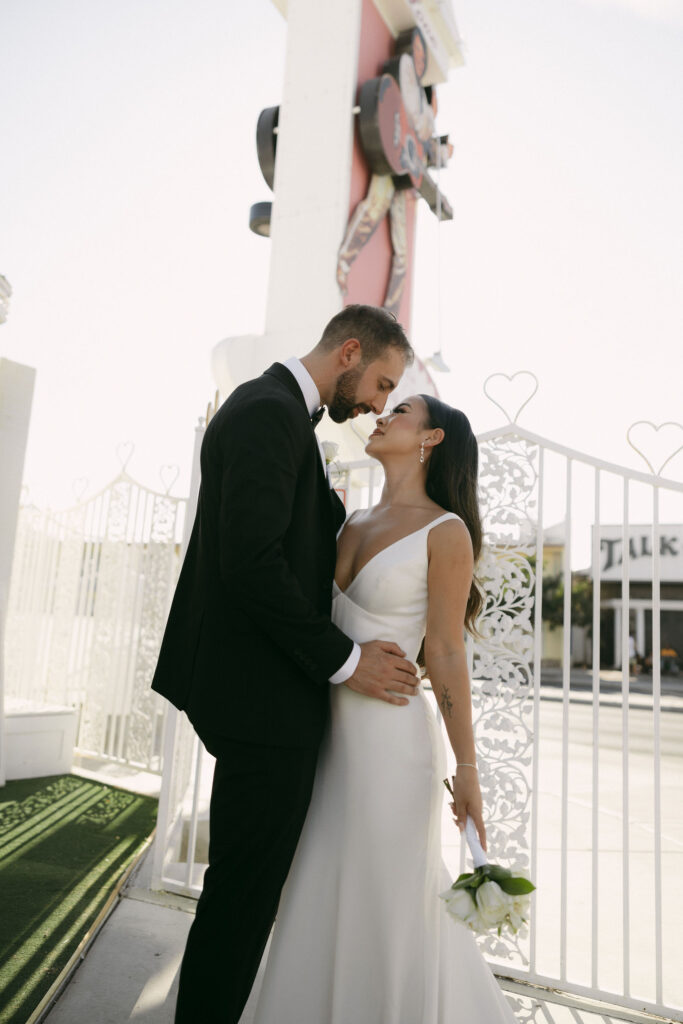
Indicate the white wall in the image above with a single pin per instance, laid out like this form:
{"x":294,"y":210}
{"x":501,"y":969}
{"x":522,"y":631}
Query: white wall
{"x":16,"y":395}
{"x":312,"y":187}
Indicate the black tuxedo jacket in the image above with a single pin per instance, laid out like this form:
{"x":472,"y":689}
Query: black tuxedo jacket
{"x":249,"y":646}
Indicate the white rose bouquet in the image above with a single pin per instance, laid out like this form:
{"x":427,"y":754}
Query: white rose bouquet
{"x":491,"y":896}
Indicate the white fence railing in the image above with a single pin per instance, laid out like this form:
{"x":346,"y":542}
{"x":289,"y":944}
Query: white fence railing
{"x":576,"y":782}
{"x":88,"y":603}
{"x":180,"y":852}
{"x":581,"y":774}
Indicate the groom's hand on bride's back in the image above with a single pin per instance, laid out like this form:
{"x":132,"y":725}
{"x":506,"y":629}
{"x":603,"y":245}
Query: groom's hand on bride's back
{"x":384,"y":673}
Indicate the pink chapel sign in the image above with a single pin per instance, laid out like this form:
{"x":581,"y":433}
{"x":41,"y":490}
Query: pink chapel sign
{"x":394,"y":153}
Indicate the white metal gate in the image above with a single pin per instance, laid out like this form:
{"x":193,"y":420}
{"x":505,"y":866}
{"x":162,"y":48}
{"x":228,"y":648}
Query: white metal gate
{"x":581,"y":775}
{"x":88,"y":603}
{"x":578,"y":784}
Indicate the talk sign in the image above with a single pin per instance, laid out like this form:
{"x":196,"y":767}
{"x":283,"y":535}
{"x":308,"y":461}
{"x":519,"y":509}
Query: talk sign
{"x":640,"y":548}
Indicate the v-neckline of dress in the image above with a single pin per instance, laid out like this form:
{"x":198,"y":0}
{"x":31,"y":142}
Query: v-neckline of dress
{"x":393,"y":544}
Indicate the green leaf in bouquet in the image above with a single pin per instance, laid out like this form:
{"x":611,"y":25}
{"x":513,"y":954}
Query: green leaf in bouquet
{"x":516,"y":886}
{"x":463,"y":881}
{"x":479,"y":875}
{"x":497,"y":872}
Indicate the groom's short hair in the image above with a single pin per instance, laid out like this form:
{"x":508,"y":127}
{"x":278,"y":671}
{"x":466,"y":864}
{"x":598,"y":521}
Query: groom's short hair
{"x":376,"y":329}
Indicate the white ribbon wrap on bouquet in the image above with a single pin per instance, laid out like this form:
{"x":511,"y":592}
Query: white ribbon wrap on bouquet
{"x":478,"y":855}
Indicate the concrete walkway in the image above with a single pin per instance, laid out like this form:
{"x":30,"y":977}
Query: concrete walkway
{"x":131,"y":971}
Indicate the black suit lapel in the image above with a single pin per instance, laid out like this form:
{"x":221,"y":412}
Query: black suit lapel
{"x":287,"y":378}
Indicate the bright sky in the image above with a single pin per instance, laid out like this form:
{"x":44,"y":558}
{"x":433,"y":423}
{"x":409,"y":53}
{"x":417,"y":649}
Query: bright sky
{"x":129,"y":165}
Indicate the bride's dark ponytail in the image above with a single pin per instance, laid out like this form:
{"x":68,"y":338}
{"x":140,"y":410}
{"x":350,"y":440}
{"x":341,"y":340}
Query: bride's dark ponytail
{"x":452,"y":482}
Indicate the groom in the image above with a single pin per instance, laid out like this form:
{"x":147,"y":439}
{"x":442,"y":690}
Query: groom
{"x":249,"y":647}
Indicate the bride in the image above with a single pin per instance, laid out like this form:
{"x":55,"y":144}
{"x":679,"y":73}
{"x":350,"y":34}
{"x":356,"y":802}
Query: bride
{"x":361,"y":936}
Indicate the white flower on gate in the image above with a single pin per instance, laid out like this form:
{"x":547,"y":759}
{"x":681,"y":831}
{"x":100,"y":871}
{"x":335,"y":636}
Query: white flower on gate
{"x":330,"y":450}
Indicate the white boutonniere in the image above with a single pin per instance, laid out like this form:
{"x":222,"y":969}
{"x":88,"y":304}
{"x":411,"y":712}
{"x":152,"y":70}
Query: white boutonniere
{"x":330,"y":450}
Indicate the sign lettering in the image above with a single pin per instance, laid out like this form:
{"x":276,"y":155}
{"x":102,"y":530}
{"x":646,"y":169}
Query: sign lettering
{"x":640,"y":552}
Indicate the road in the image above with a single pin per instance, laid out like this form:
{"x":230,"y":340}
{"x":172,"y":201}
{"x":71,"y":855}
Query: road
{"x":610,"y":720}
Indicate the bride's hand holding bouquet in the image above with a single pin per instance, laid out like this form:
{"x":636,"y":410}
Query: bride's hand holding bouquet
{"x":491,"y":896}
{"x":466,"y":799}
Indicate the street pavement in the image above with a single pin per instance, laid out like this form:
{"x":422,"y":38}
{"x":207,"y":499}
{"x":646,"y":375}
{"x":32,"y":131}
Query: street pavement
{"x":611,"y":682}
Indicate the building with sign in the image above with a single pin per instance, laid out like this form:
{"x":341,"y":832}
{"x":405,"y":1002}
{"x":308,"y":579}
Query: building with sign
{"x":639,"y":569}
{"x":640,"y":563}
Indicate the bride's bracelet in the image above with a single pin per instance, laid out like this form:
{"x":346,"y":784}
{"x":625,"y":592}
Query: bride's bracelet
{"x":464,"y":764}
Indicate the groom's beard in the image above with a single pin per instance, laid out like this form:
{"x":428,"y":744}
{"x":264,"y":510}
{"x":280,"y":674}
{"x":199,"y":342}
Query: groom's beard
{"x":344,"y":401}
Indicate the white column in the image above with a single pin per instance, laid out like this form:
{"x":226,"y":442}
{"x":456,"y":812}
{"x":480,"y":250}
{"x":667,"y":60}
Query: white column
{"x":173,"y":734}
{"x":617,"y":637}
{"x":640,"y":631}
{"x":16,"y":395}
{"x":312,"y":170}
{"x":311,"y":189}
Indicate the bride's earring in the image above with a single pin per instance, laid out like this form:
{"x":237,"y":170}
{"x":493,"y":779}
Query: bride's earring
{"x":422,"y":452}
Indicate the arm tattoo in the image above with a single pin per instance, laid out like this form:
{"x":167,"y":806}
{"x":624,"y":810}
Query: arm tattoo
{"x":446,"y":704}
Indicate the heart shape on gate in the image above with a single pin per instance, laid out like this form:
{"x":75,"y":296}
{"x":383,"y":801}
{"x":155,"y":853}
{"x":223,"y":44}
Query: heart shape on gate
{"x":168,"y":475}
{"x":124,"y":453}
{"x":515,"y":393}
{"x":678,"y":427}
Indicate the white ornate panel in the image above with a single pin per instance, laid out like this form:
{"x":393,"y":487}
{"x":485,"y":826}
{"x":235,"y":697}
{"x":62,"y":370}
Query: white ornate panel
{"x":502,"y":666}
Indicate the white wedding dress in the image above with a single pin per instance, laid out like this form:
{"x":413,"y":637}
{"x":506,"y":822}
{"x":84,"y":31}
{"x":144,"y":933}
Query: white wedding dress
{"x":361,"y":936}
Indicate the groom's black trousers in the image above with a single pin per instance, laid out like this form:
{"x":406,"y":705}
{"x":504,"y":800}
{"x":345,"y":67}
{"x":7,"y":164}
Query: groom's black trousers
{"x":259,"y":801}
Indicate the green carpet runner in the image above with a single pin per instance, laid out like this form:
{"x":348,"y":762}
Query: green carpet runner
{"x":64,"y":844}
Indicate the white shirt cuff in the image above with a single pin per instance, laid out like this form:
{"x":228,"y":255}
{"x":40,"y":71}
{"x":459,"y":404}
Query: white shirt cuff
{"x":348,"y":668}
